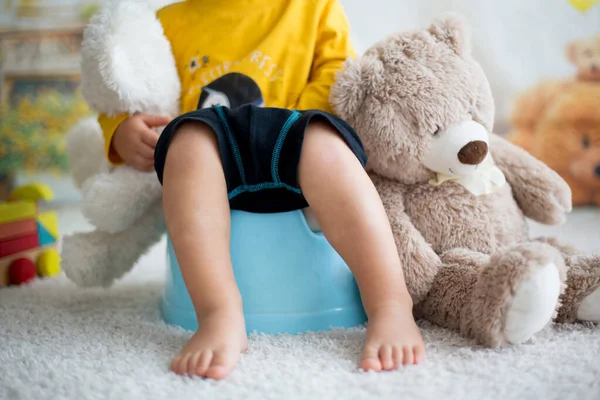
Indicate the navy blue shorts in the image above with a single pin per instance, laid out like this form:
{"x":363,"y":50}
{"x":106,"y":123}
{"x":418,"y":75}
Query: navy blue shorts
{"x":260,"y":151}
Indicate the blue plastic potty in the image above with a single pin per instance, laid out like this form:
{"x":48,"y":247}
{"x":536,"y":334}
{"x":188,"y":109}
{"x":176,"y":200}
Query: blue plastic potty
{"x":290,"y":278}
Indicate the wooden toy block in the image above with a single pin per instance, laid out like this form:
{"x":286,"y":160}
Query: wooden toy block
{"x":48,"y":263}
{"x":17,"y":229}
{"x":31,"y":253}
{"x":49,"y":221}
{"x":21,"y":270}
{"x":33,"y":192}
{"x":12,"y":246}
{"x":17,"y":211}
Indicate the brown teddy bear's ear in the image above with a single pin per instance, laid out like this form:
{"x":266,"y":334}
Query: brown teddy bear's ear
{"x":454,"y":30}
{"x":352,"y":85}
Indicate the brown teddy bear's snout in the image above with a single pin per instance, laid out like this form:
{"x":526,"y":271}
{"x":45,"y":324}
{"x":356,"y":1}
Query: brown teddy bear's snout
{"x":473,"y":153}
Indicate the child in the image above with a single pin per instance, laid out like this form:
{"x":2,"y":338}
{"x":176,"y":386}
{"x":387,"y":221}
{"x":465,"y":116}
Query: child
{"x":245,"y":67}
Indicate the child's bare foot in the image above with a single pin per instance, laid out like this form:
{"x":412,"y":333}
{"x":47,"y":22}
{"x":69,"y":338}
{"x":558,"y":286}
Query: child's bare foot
{"x":215,"y":348}
{"x":393,"y":339}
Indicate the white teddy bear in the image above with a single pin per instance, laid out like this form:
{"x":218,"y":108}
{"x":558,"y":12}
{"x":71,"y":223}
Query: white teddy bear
{"x":127,"y":67}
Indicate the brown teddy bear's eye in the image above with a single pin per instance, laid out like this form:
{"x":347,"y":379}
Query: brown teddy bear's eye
{"x":437,"y":130}
{"x":586,"y":142}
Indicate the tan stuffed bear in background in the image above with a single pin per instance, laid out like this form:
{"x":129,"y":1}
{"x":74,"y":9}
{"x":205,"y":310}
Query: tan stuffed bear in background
{"x":558,"y":122}
{"x":567,"y":138}
{"x":457,"y":195}
{"x":585,"y":55}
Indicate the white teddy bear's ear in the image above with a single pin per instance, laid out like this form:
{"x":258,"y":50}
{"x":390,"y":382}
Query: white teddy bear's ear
{"x":352,"y":84}
{"x":127,"y":62}
{"x":454,"y":30}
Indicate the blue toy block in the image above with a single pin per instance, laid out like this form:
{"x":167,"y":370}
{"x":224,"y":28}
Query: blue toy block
{"x":290,"y":278}
{"x":44,"y":236}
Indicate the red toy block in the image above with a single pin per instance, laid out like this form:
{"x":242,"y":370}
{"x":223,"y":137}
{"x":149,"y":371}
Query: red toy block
{"x":17,"y":229}
{"x":17,"y":245}
{"x":22,"y":270}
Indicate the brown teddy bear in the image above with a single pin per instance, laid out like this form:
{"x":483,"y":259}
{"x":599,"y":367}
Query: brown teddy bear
{"x":457,"y":195}
{"x":559,"y":123}
{"x":567,"y":138}
{"x":585,"y":55}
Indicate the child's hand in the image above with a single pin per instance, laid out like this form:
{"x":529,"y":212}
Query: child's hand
{"x":135,"y":141}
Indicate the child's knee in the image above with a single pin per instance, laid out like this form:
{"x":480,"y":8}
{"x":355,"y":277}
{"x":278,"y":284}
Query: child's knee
{"x":193,"y":133}
{"x":192,"y":144}
{"x":324,"y":146}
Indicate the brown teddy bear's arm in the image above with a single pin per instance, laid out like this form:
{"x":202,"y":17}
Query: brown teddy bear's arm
{"x":540,"y":192}
{"x":419,"y":262}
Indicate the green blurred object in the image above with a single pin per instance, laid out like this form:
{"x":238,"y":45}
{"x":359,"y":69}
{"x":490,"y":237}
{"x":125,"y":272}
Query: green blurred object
{"x":89,"y":10}
{"x":32,"y":131}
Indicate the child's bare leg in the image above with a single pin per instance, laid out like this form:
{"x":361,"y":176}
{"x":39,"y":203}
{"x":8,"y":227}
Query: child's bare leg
{"x":198,"y":221}
{"x":353,"y":219}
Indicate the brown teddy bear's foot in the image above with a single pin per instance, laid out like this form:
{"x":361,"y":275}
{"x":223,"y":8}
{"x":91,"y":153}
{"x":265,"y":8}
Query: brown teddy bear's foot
{"x":589,"y":309}
{"x":581,"y":300}
{"x":517,"y":294}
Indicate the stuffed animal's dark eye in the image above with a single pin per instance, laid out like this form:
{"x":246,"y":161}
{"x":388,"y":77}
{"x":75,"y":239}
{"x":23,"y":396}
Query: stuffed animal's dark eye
{"x":586,"y":142}
{"x":437,"y":131}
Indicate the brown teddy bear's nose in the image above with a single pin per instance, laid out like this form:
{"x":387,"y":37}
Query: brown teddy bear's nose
{"x":473,"y":153}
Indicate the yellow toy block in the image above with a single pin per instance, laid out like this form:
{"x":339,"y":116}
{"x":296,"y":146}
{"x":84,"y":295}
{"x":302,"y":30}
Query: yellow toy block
{"x":48,"y":263}
{"x":49,"y":220}
{"x":17,"y":211}
{"x":32,"y":192}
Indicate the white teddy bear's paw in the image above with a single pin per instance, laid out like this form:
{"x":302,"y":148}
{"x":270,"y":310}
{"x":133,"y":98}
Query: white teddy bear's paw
{"x":86,"y":262}
{"x":533,"y":304}
{"x":589,"y":309}
{"x":114,"y":201}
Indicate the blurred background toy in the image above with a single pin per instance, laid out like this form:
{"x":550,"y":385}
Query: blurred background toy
{"x":585,"y":55}
{"x":28,"y":236}
{"x":558,"y":122}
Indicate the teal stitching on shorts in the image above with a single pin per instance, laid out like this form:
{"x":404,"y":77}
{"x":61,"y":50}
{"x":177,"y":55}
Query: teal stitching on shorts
{"x":279,"y":144}
{"x":261,"y":186}
{"x":233,"y":144}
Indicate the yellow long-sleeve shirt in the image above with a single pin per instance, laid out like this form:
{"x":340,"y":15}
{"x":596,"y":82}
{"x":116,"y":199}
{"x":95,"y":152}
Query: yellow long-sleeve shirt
{"x":289,"y":49}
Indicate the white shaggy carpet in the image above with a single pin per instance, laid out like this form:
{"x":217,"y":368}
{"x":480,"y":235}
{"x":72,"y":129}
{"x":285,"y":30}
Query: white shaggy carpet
{"x":61,"y":342}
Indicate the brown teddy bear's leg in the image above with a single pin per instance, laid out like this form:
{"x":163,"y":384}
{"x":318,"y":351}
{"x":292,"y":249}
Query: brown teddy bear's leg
{"x":502,"y":299}
{"x":581,"y":300}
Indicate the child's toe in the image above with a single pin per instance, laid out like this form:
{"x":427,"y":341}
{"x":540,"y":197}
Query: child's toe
{"x":193,"y":362}
{"x":408,"y":356}
{"x":370,"y":359}
{"x":221,"y":365}
{"x":397,"y":356}
{"x":204,"y":362}
{"x":419,"y":352}
{"x":385,"y":355}
{"x":179,"y":364}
